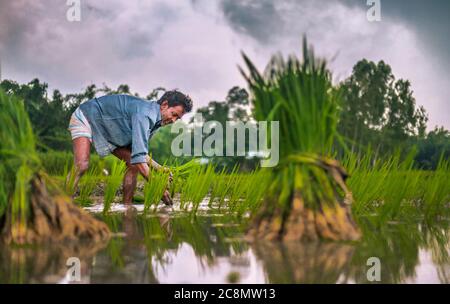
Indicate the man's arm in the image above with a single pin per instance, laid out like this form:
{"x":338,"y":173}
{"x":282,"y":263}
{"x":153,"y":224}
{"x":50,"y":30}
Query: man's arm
{"x":139,"y":148}
{"x":140,"y":125}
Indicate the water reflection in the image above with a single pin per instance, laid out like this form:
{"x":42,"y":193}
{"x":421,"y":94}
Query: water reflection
{"x":296,"y":262}
{"x":173,"y":247}
{"x":401,"y":248}
{"x":46,"y":264}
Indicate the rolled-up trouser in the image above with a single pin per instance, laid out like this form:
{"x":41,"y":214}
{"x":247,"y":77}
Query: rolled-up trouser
{"x":79,"y":125}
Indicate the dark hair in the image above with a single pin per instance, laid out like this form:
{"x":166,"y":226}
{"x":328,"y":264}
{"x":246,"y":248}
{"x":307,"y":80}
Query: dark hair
{"x":176,"y":98}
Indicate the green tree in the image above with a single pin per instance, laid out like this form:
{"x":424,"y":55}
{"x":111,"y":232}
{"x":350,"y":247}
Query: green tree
{"x":235,"y":108}
{"x":431,"y":148}
{"x":379,"y":110}
{"x":50,"y":116}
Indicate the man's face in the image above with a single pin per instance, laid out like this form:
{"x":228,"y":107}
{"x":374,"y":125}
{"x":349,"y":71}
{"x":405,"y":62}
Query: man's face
{"x":170,"y":114}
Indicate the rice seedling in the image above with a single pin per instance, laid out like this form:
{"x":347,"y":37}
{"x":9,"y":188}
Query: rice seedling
{"x":55,"y":162}
{"x":197,"y":186}
{"x":69,"y":182}
{"x":87,"y":185}
{"x":222,"y":185}
{"x":397,"y":193}
{"x":34,"y":209}
{"x":393,"y":190}
{"x":185,"y":169}
{"x":154,"y":188}
{"x":113,"y":182}
{"x":116,"y":244}
{"x":436,"y":196}
{"x":306,"y":197}
{"x":257,"y":183}
{"x":156,"y":237}
{"x":176,"y":185}
{"x":236,"y":193}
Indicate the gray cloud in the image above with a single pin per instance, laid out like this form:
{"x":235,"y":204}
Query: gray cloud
{"x":410,"y":37}
{"x":259,"y":19}
{"x":195,"y":46}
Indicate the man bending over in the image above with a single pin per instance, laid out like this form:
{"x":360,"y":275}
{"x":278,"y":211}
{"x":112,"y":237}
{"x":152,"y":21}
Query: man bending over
{"x":123,"y":125}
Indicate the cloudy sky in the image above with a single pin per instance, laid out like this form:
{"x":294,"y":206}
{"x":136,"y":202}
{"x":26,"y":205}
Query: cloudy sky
{"x":195,"y":45}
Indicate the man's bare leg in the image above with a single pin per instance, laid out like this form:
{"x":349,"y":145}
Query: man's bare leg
{"x":130,"y":178}
{"x":81,"y":151}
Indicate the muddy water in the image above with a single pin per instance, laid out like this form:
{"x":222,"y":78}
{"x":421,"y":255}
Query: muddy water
{"x":170,"y":246}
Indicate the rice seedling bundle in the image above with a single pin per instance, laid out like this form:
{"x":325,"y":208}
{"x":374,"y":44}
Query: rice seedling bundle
{"x":179,"y":174}
{"x":306,"y":199}
{"x":32,"y":207}
{"x":185,"y":169}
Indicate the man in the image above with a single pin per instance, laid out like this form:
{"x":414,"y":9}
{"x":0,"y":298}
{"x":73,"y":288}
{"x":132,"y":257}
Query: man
{"x":122,"y":125}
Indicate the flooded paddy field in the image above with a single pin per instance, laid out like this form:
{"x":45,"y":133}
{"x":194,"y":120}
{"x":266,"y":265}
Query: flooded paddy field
{"x":170,"y":245}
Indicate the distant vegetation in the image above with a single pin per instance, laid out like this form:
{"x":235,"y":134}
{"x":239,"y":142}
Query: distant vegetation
{"x":378,"y":112}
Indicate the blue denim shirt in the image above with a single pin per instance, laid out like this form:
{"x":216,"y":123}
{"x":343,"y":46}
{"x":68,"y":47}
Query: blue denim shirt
{"x":121,"y":121}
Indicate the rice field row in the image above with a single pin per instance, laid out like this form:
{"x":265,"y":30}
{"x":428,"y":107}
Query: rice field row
{"x":390,"y":189}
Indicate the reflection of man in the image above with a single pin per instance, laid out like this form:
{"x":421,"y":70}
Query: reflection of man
{"x":122,"y":125}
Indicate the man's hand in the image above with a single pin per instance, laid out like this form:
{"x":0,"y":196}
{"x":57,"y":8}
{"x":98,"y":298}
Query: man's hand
{"x":143,"y":169}
{"x":170,"y":175}
{"x":167,"y":199}
{"x":154,"y":165}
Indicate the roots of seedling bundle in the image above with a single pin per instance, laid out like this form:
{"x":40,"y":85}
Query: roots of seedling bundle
{"x":302,"y":223}
{"x":51,"y":218}
{"x":305,"y":224}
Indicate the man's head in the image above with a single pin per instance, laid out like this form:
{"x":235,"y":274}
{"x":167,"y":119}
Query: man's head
{"x":174,"y":105}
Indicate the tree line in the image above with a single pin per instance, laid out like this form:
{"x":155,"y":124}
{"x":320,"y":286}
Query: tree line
{"x":377,"y":112}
